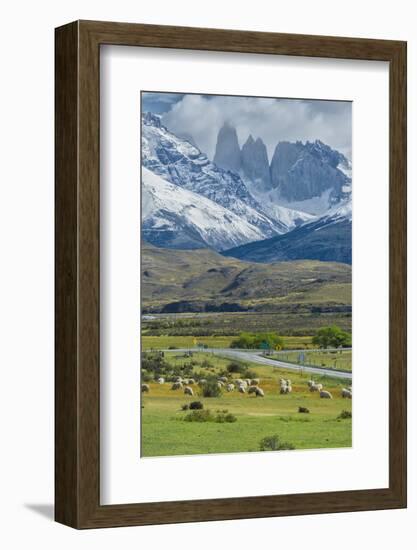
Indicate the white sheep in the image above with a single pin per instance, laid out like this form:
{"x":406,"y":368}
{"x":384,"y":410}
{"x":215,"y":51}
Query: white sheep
{"x":161,"y":380}
{"x":145,"y":388}
{"x":325,"y":394}
{"x":346,"y":393}
{"x":242,"y":389}
{"x":188,"y":391}
{"x":230,"y":387}
{"x":202,"y":382}
{"x":223,"y":379}
{"x":252,"y":389}
{"x":254,"y":381}
{"x":259,"y":392}
{"x":176,"y":386}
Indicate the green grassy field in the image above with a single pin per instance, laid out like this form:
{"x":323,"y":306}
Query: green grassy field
{"x":340,"y":360}
{"x":164,"y":342}
{"x":164,"y":431}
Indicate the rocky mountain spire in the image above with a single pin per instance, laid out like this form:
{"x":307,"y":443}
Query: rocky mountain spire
{"x":255,"y":165}
{"x":227,"y":155}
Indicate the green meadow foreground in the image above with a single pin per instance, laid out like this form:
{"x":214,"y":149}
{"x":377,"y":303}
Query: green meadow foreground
{"x":166,"y":432}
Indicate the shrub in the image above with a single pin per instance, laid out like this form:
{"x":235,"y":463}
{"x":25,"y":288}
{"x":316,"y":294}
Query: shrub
{"x":345,"y":414}
{"x":273,"y":443}
{"x":199,"y":416}
{"x":228,"y":417}
{"x":207,"y":416}
{"x":211,"y":388}
{"x":195,"y":405}
{"x":303,"y":410}
{"x":146,"y":377}
{"x":261,"y":340}
{"x":235,"y":367}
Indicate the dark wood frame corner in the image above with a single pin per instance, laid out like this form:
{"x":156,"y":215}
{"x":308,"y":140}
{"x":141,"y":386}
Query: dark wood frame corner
{"x":77,"y":373}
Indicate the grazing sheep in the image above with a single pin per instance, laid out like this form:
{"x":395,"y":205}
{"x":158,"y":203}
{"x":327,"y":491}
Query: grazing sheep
{"x":346,"y":393}
{"x":282,"y":382}
{"x":191,"y":381}
{"x":325,"y":394}
{"x":188,"y":391}
{"x":230,"y":387}
{"x":247,"y":381}
{"x":283,"y":389}
{"x":238,"y":382}
{"x":303,"y":410}
{"x":176,"y":386}
{"x":259,"y":392}
{"x":145,"y":387}
{"x":310,"y":383}
{"x":202,"y":382}
{"x":315,"y":387}
{"x":254,"y":382}
{"x":252,"y":389}
{"x":178,"y":379}
{"x":223,"y":379}
{"x":220,"y":383}
{"x":242,"y":389}
{"x":161,"y":380}
{"x":242,"y":383}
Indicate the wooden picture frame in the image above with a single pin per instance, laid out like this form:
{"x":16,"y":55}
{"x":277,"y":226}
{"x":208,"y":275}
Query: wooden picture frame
{"x":77,"y":408}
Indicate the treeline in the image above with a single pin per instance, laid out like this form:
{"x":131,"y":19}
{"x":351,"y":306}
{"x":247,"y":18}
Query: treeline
{"x":260,"y":340}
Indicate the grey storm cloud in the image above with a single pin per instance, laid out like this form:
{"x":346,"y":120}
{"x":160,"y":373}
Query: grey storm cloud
{"x":271,"y":119}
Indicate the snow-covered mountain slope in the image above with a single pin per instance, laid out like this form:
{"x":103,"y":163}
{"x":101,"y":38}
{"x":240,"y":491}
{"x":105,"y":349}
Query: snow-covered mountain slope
{"x":182,"y":164}
{"x":291,"y":217}
{"x":328,"y":238}
{"x":174,"y":217}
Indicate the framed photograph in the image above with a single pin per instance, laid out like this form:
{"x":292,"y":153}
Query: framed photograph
{"x":230,"y":274}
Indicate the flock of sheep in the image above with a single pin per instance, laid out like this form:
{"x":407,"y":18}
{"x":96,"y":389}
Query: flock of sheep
{"x":251,"y":386}
{"x":324,"y":394}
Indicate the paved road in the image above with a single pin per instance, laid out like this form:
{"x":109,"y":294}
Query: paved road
{"x":260,"y":359}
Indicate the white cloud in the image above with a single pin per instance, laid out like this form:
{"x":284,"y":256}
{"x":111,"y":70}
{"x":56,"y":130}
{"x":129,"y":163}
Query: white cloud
{"x":273,"y":120}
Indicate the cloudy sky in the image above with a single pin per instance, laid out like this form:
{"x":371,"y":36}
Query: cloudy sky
{"x":271,"y":119}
